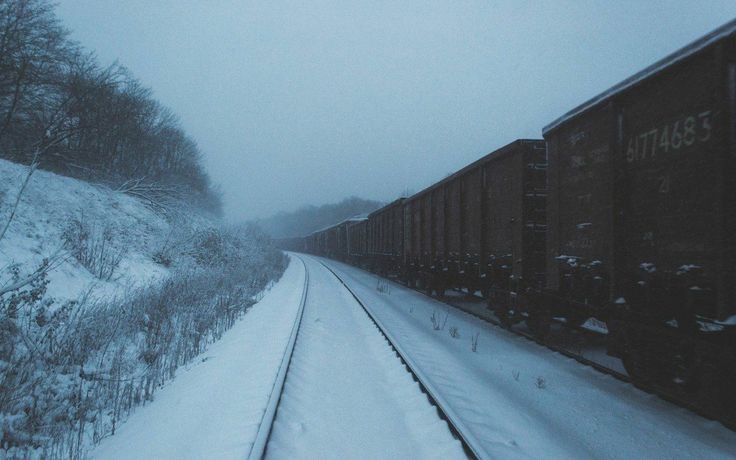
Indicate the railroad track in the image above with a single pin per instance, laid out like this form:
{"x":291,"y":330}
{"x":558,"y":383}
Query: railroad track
{"x":674,"y":399}
{"x":471,"y":445}
{"x":269,"y":415}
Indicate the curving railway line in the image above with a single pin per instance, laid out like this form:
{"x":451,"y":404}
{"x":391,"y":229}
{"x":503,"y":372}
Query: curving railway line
{"x":330,"y":390}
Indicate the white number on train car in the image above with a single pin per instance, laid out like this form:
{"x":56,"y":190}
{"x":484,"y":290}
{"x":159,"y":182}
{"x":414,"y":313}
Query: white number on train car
{"x":683,"y":132}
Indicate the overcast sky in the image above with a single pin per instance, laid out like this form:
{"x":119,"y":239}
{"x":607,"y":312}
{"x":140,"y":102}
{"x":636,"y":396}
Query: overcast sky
{"x":308,"y":102}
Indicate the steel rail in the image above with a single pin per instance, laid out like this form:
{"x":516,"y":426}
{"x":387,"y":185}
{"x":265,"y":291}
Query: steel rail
{"x":603,"y":369}
{"x":258,"y":448}
{"x":472,"y":446}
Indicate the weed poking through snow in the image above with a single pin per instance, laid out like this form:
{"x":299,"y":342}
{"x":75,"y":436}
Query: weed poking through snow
{"x":474,"y":342}
{"x":515,"y":375}
{"x":541,"y":383}
{"x":438,"y":325}
{"x":454,"y":332}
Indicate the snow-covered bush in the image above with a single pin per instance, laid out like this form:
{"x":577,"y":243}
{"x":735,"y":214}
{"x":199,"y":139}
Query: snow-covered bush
{"x":93,"y":247}
{"x":70,"y":372}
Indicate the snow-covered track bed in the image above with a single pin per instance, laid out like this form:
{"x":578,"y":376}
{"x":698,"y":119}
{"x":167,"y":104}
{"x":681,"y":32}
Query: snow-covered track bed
{"x":215,"y":406}
{"x":476,"y":307}
{"x":471,"y":445}
{"x":521,"y":400}
{"x":561,"y":348}
{"x":347,"y":393}
{"x":258,"y":447}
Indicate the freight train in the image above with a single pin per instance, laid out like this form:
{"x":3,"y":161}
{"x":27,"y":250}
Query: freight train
{"x":625,"y":212}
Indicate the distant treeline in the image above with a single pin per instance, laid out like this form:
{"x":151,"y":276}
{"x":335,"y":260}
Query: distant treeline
{"x":306,"y":220}
{"x":60,"y":108}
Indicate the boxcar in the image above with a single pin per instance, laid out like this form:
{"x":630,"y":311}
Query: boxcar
{"x":483,"y":226}
{"x":642,"y":207}
{"x":356,"y":240}
{"x":385,"y":239}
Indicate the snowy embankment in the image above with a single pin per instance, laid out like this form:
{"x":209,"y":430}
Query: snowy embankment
{"x":214,"y":406}
{"x":524,"y":401}
{"x":50,"y":207}
{"x":347,"y":395}
{"x":103,"y":300}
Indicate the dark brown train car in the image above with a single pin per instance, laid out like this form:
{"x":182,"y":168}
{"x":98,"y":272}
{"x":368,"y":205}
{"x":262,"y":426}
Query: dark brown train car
{"x":385,"y":238}
{"x":643,"y":201}
{"x":315,"y":243}
{"x":338,"y":238}
{"x":515,"y":203}
{"x":356,"y":239}
{"x":641,"y":177}
{"x":437,"y":217}
{"x":327,"y":242}
{"x":493,"y":208}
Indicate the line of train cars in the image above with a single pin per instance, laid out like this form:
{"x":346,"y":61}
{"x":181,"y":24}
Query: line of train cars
{"x":625,"y":212}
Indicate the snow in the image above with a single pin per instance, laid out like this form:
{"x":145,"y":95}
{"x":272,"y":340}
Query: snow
{"x":730,"y":321}
{"x":347,"y":395}
{"x":687,"y":268}
{"x":212,"y":409}
{"x":47,"y":206}
{"x":525,"y":401}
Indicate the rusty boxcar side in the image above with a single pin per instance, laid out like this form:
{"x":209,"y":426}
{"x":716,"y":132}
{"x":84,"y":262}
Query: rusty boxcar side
{"x":641,"y":178}
{"x":642,"y":219}
{"x":480,"y":212}
{"x":385,"y":237}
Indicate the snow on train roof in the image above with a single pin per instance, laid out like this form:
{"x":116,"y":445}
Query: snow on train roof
{"x":386,"y":206}
{"x":496,"y":154}
{"x":355,"y":218}
{"x":679,"y":55}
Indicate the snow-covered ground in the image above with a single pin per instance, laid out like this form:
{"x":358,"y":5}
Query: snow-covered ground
{"x":347,"y":395}
{"x":213,"y":408}
{"x":48,"y":206}
{"x":524,"y":401}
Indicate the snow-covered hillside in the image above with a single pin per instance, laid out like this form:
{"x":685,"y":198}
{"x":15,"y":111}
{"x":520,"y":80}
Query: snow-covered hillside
{"x":52,"y":205}
{"x":130,"y":296}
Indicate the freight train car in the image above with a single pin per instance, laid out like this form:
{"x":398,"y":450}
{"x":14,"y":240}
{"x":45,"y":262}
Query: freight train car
{"x":482,"y":228}
{"x":635,"y":225}
{"x":642,"y":216}
{"x":354,"y":230}
{"x":385,"y":239}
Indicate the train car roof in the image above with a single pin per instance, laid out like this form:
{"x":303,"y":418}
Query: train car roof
{"x":683,"y":53}
{"x":383,"y":208}
{"x":495,"y":155}
{"x":355,"y":218}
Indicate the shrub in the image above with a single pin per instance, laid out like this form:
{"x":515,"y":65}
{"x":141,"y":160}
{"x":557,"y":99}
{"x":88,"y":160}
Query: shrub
{"x":93,"y":247}
{"x":70,"y":373}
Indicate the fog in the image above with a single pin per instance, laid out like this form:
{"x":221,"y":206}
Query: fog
{"x":307,"y":102}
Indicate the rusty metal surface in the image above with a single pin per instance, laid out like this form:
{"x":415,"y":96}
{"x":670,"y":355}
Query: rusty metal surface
{"x":644,"y":181}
